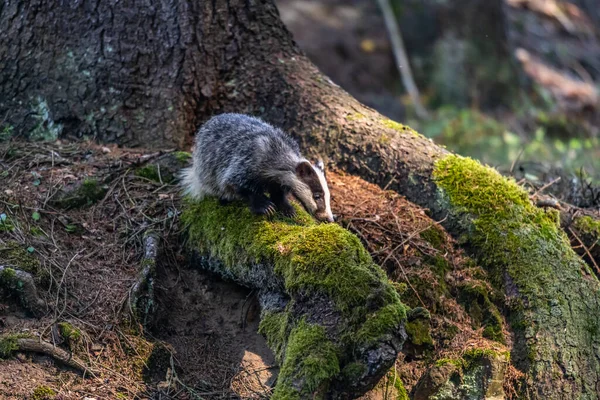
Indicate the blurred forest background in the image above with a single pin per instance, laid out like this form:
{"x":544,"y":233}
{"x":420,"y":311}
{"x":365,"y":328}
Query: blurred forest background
{"x":513,"y":83}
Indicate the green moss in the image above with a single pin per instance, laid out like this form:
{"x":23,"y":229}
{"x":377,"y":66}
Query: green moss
{"x":475,"y":298}
{"x":401,"y":393}
{"x":87,"y":193}
{"x":7,"y":276}
{"x":156,"y":363}
{"x":419,"y":332}
{"x":526,"y":253}
{"x":398,"y":127}
{"x":355,"y":116}
{"x":311,"y":259}
{"x":440,"y":266}
{"x":353,"y":371}
{"x":380,"y":323}
{"x":91,"y":190}
{"x":434,"y":236}
{"x":9,"y":344}
{"x":395,"y":125}
{"x":43,"y":393}
{"x":587,"y":224}
{"x":275,"y":327}
{"x":509,"y":232}
{"x":310,"y":357}
{"x":149,"y":171}
{"x":182,"y":156}
{"x":12,"y":253}
{"x":69,"y":332}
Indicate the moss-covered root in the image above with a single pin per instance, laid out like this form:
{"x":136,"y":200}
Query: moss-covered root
{"x":478,"y":374}
{"x":84,"y":193}
{"x":9,"y":344}
{"x":554,"y":304}
{"x":141,"y":296}
{"x":21,"y":285}
{"x":333,"y":320}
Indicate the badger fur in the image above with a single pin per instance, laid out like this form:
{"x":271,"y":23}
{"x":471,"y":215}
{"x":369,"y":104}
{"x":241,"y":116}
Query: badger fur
{"x":241,"y":157}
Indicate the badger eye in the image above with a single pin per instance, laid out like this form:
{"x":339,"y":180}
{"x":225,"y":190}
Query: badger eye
{"x":317,"y":196}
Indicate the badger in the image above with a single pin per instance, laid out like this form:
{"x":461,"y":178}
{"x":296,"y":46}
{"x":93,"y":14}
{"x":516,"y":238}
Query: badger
{"x":240,"y":157}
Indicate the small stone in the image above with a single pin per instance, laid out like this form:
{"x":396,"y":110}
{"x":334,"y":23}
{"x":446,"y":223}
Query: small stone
{"x":8,"y":192}
{"x":106,"y":150}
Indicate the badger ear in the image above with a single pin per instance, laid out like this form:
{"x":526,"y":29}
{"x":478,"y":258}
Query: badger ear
{"x":304,"y":169}
{"x":320,"y":165}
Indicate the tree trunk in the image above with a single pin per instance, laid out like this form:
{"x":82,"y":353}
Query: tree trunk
{"x":149,"y":72}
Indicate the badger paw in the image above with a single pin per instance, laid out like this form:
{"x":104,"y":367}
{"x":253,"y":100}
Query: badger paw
{"x":271,"y":210}
{"x":288,"y":210}
{"x":267,"y":208}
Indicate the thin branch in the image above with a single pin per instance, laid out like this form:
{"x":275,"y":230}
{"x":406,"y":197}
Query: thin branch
{"x":401,"y":57}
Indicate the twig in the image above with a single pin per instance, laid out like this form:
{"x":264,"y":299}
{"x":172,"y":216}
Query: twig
{"x":401,"y":57}
{"x":546,"y":186}
{"x":516,"y":160}
{"x":587,"y":251}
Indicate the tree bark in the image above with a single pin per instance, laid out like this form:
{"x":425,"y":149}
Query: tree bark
{"x":149,"y":72}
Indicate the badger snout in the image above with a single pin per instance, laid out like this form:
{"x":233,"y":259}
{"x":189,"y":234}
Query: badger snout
{"x":324,"y":217}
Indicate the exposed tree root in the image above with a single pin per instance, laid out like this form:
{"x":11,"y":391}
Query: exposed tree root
{"x":22,"y":285}
{"x":141,"y":295}
{"x":58,"y":354}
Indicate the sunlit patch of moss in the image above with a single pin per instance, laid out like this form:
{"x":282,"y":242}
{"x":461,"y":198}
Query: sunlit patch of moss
{"x":69,"y":333}
{"x":399,"y":127}
{"x":587,"y":224}
{"x":401,"y":393}
{"x":355,"y":116}
{"x":182,"y":156}
{"x":522,"y":246}
{"x":310,"y":258}
{"x":10,"y":343}
{"x":43,"y":393}
{"x":509,"y":231}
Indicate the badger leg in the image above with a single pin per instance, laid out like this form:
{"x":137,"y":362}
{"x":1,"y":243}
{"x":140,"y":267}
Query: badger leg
{"x":279,"y":198}
{"x":259,"y":203}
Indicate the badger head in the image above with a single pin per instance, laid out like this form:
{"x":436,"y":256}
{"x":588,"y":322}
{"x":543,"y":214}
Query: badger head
{"x":313,"y":193}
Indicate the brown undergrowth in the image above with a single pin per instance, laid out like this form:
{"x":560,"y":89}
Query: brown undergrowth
{"x":202,"y":341}
{"x":417,"y":253}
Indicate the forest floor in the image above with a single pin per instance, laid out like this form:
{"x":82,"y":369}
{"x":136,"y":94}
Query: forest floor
{"x":75,"y":216}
